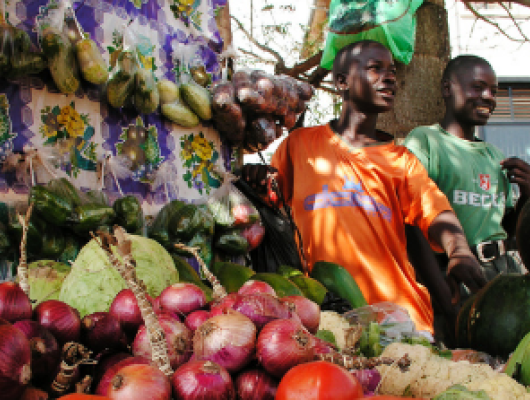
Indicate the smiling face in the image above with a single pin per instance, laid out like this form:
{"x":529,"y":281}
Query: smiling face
{"x":366,"y":77}
{"x":470,"y":94}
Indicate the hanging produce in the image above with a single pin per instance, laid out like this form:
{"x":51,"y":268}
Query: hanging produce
{"x":253,"y":109}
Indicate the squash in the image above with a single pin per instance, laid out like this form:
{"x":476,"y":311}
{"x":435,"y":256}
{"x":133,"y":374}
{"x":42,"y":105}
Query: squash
{"x":499,"y":316}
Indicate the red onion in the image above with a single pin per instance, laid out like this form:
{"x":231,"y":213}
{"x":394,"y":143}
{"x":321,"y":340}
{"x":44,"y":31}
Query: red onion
{"x":45,"y":352}
{"x":62,"y":320}
{"x":252,"y":286}
{"x":182,"y":298}
{"x":307,"y":310}
{"x":368,"y":378}
{"x":226,"y":339}
{"x":195,"y":318}
{"x":226,"y":303}
{"x":202,"y":380}
{"x":282,"y":344}
{"x":105,"y":360}
{"x":255,"y":384}
{"x":112,"y":369}
{"x":15,"y":359}
{"x":14,"y":303}
{"x":125,"y":308}
{"x":101,"y":330}
{"x":320,"y":346}
{"x":254,"y":234}
{"x":261,"y":308}
{"x":178,"y":337}
{"x":139,"y":382}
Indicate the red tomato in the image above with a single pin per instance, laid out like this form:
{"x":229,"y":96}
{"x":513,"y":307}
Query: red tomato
{"x":319,"y":380}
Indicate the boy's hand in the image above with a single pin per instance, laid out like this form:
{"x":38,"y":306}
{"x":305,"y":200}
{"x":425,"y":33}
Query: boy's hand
{"x":464,"y":268}
{"x":518,"y":172}
{"x":258,"y":176}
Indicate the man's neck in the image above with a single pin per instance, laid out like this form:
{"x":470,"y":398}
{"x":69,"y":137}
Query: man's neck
{"x":457,"y":129}
{"x":357,"y":129}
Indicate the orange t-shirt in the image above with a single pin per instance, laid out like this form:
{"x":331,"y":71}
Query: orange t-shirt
{"x":351,"y":205}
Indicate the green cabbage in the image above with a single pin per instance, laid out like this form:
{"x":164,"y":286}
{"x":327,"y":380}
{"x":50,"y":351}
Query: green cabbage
{"x":93,"y":283}
{"x":45,"y":280}
{"x":460,"y":392}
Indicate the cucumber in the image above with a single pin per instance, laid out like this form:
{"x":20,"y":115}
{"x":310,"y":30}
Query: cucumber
{"x":338,"y":280}
{"x":282,"y":286}
{"x":311,"y":288}
{"x":198,"y":99}
{"x":180,"y":114}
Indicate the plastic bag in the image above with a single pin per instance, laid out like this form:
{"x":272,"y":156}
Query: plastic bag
{"x":278,"y":246}
{"x":230,"y":207}
{"x":121,"y":84}
{"x":58,"y":50}
{"x":392,"y":23}
{"x":93,"y":68}
{"x":393,"y":320}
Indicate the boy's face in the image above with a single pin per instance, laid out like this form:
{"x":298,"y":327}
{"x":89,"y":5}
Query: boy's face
{"x":471,"y":94}
{"x":370,"y":83}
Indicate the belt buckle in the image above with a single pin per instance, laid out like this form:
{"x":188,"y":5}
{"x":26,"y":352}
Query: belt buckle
{"x":480,"y":247}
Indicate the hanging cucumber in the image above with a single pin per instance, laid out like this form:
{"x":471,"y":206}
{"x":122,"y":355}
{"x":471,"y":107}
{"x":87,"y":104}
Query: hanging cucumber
{"x":61,"y":60}
{"x":93,"y":67}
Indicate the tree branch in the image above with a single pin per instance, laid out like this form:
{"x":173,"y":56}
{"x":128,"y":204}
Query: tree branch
{"x":514,"y":21}
{"x":302,"y":67}
{"x":525,"y":3}
{"x":487,"y":20}
{"x":276,"y":55}
{"x":257,"y":57}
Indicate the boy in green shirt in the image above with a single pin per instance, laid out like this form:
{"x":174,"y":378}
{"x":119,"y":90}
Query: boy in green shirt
{"x":475,"y":175}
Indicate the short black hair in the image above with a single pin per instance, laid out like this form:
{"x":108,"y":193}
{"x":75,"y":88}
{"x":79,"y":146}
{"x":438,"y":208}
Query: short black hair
{"x":462,"y":62}
{"x":347,"y":55}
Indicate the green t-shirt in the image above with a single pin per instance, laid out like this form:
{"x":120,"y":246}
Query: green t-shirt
{"x":470,"y":175}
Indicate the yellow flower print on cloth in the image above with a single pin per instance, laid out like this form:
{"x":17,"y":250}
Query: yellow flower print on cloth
{"x":199,"y":156}
{"x":72,"y":121}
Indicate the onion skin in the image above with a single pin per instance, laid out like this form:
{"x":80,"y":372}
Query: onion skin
{"x":226,"y":303}
{"x":139,"y":382}
{"x":15,"y":305}
{"x":196,"y":318}
{"x":15,"y":360}
{"x":256,"y":384}
{"x":182,"y":298}
{"x":368,"y":378}
{"x":106,"y":360}
{"x":125,"y":308}
{"x":101,"y":330}
{"x":283,"y":344}
{"x":251,"y":287}
{"x":62,"y":320}
{"x":45,"y":352}
{"x":227,"y":339}
{"x":261,"y":308}
{"x":178,"y":337}
{"x":103,"y":385}
{"x":307,"y":310}
{"x":202,"y":380}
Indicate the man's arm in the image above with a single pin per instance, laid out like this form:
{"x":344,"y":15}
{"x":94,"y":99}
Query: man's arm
{"x":463,"y":267}
{"x":426,"y":265}
{"x":518,"y":172}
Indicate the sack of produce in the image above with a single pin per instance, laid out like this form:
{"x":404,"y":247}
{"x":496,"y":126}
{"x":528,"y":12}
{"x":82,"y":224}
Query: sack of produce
{"x":93,"y":68}
{"x":228,"y":117}
{"x":120,"y":86}
{"x":230,"y":207}
{"x":146,"y":97}
{"x":59,"y":50}
{"x":23,"y":60}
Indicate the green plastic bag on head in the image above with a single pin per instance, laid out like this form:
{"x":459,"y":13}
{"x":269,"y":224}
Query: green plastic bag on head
{"x":93,"y":283}
{"x":389,"y":22}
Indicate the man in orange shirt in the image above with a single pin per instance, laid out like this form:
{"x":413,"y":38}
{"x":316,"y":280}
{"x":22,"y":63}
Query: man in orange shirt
{"x":352,"y":190}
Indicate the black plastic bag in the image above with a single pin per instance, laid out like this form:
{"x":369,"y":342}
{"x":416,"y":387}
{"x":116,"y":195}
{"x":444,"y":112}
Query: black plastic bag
{"x":278,"y":246}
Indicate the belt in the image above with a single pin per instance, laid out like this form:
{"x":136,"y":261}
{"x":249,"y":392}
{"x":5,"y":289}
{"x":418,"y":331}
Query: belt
{"x":488,"y":251}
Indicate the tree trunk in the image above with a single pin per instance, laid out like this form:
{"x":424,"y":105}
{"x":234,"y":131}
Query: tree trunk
{"x":419,"y":101}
